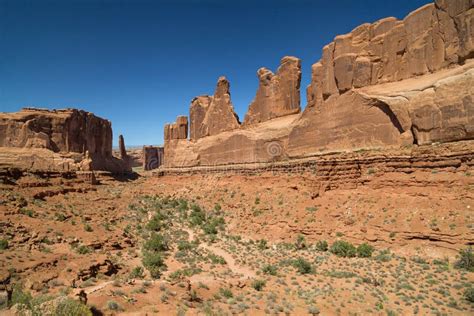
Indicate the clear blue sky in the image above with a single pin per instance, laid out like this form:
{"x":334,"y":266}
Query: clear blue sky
{"x":140,"y":63}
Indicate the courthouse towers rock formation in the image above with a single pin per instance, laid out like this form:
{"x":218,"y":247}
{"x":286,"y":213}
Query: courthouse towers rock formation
{"x":385,"y":84}
{"x":277,"y":95}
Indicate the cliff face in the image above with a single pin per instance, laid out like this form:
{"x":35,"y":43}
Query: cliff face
{"x":277,"y":95}
{"x":387,"y":84}
{"x":75,"y":134}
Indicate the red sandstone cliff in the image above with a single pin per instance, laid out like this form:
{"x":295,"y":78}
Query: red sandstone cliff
{"x":57,"y":140}
{"x":387,"y":84}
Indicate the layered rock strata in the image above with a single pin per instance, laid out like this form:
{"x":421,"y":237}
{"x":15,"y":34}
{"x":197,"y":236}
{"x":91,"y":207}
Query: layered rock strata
{"x":389,"y":84}
{"x":57,"y":140}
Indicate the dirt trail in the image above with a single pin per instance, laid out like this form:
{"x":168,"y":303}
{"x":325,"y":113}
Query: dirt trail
{"x":233,"y":266}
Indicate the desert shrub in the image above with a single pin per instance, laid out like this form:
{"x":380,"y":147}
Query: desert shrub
{"x":212,"y":225}
{"x":217,"y":207}
{"x":183,"y":205}
{"x":302,"y":265}
{"x":269,"y":269}
{"x":3,"y":244}
{"x":300,"y":242}
{"x":154,"y":263}
{"x":157,"y":242}
{"x":258,"y":284}
{"x":186,"y":272}
{"x":21,"y":297}
{"x":322,"y":245}
{"x":343,"y":248}
{"x":70,"y":307}
{"x":262,"y":244}
{"x":384,"y":256}
{"x":466,"y":259}
{"x":365,"y":250}
{"x":27,"y":212}
{"x":155,"y":224}
{"x":137,"y":272}
{"x":227,"y":293}
{"x":197,"y":216}
{"x":113,"y":306}
{"x":184,"y":245}
{"x":88,"y":228}
{"x":469,"y":294}
{"x":313,"y":310}
{"x":82,"y":250}
{"x":215,"y":259}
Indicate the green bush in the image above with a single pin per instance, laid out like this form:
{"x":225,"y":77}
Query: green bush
{"x":262,"y":244}
{"x":70,"y":307}
{"x":466,"y":259}
{"x":227,"y":293}
{"x":21,"y":297}
{"x":322,"y":245}
{"x":303,"y":266}
{"x":3,"y":244}
{"x":184,"y":245}
{"x":197,"y":216}
{"x":469,"y":294}
{"x":212,"y":225}
{"x":155,"y":223}
{"x":300,"y":242}
{"x":258,"y":284}
{"x":343,"y":248}
{"x":156,"y":243}
{"x":137,"y":273}
{"x":365,"y":250}
{"x":269,"y":269}
{"x":82,"y":250}
{"x":216,"y":259}
{"x":154,"y":263}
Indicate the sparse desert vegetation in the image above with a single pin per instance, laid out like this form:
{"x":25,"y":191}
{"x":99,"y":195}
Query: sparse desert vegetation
{"x":191,"y":253}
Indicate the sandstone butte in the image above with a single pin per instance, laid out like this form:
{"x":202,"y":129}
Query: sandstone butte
{"x":388,"y":84}
{"x":58,"y":141}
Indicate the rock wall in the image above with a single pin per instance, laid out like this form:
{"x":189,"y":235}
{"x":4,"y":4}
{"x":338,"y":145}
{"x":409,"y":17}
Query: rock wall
{"x":213,"y":115}
{"x":388,"y":84}
{"x":75,"y":135}
{"x":152,"y":157}
{"x":178,"y":129}
{"x":277,"y":95}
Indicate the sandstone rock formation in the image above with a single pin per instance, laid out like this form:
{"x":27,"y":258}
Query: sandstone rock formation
{"x":122,"y":150}
{"x":152,"y":157}
{"x":277,"y":95}
{"x":391,"y":83}
{"x":430,"y":38}
{"x":58,"y":140}
{"x":211,"y":115}
{"x":177,"y":130}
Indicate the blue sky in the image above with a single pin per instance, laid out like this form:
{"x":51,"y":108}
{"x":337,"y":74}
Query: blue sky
{"x":140,"y":63}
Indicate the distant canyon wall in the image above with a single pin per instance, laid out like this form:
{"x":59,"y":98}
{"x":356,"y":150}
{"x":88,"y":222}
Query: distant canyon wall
{"x":391,"y":83}
{"x":57,"y":140}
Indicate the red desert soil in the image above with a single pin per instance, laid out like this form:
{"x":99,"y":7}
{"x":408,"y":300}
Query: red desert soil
{"x":242,"y":244}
